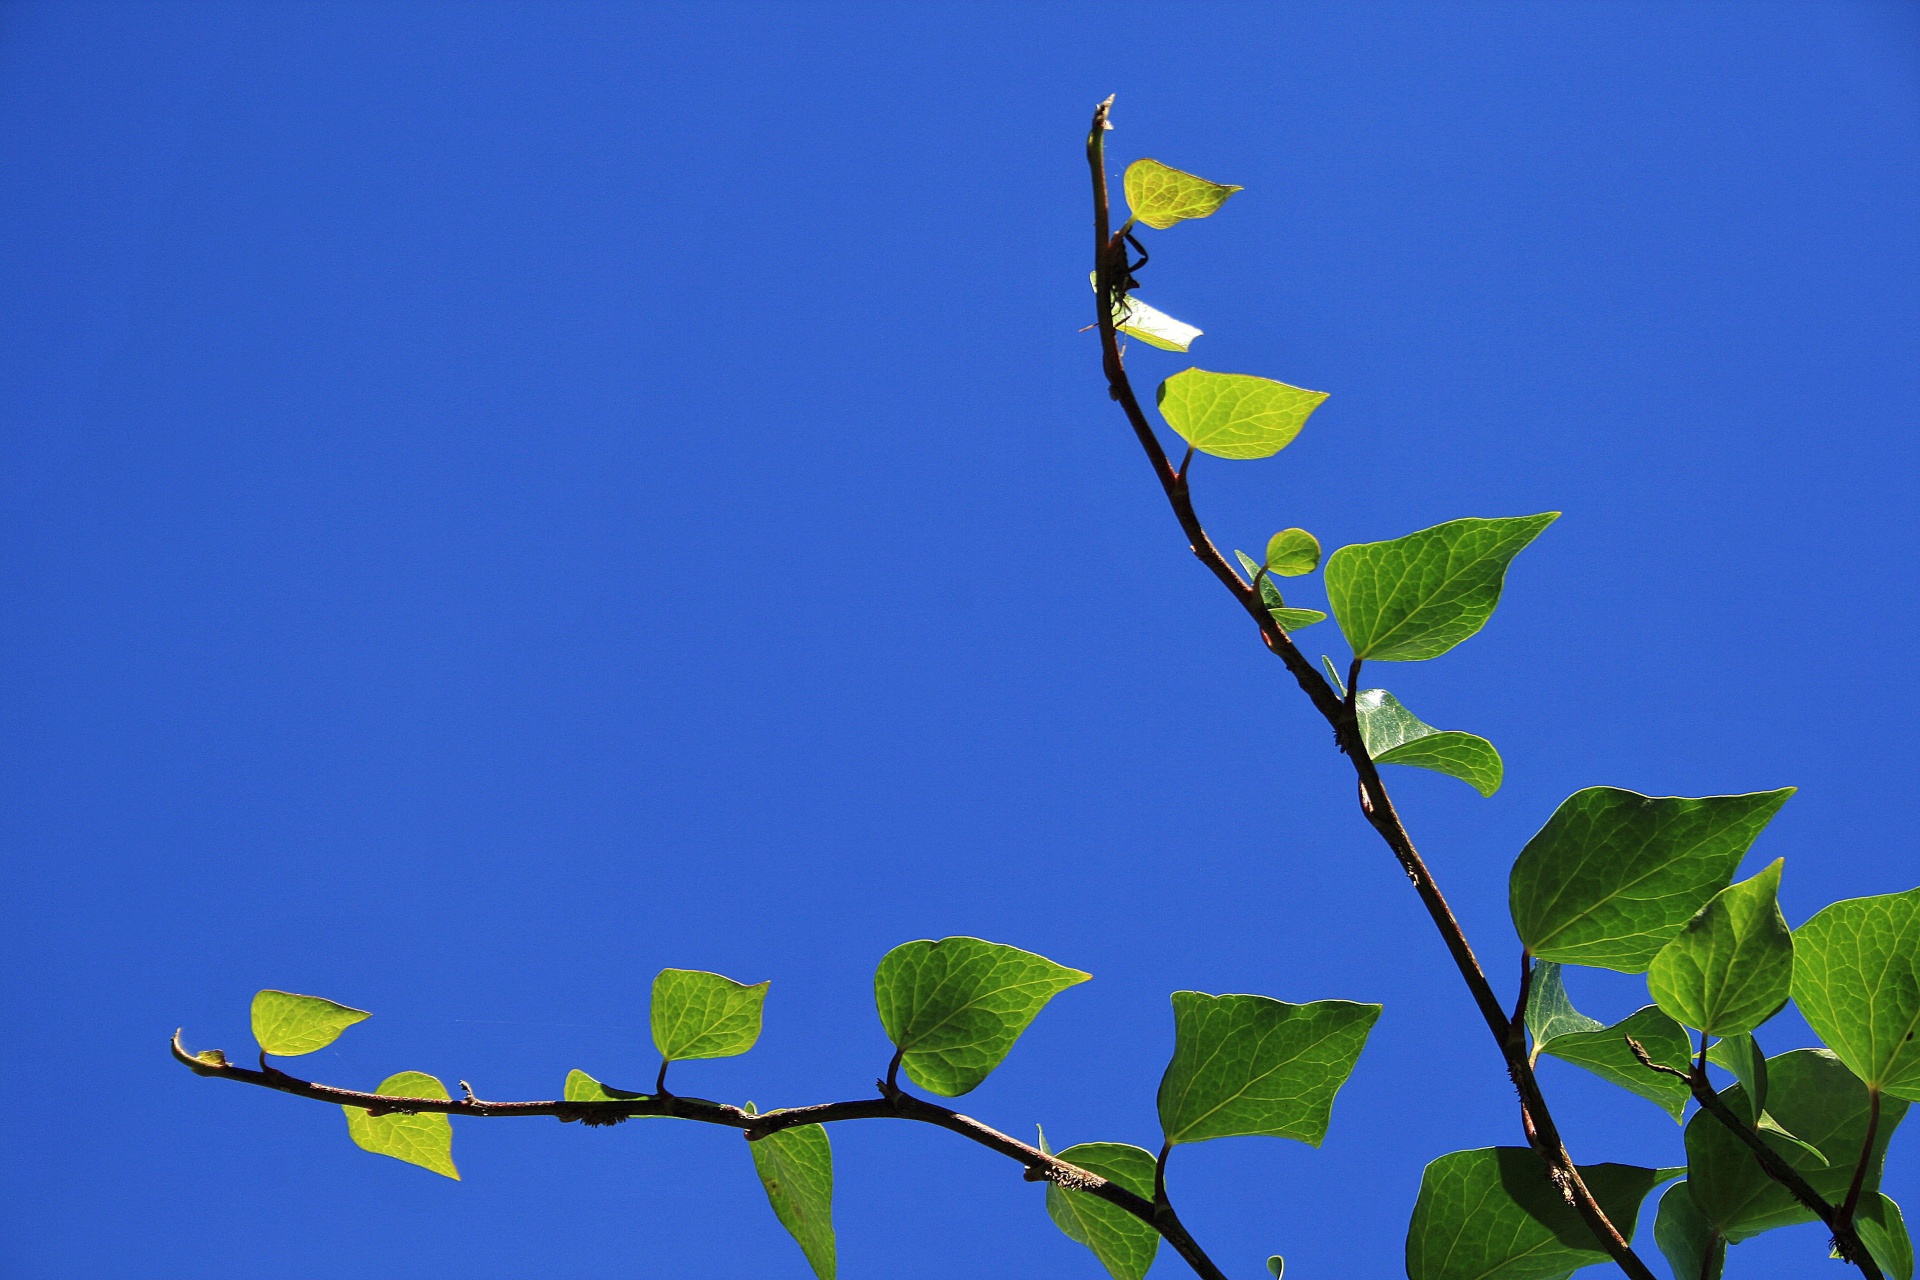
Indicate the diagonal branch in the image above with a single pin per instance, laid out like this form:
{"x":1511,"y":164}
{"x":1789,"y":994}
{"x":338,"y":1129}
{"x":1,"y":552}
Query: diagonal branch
{"x":893,"y":1104}
{"x":1111,"y":281}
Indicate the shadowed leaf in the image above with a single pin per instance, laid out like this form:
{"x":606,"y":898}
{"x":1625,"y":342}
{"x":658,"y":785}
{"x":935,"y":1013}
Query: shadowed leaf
{"x":1692,"y":1247}
{"x":582,"y":1087}
{"x":1605,"y":1053}
{"x":1550,"y":1010}
{"x":1124,"y":1245}
{"x":796,"y":1169}
{"x":1883,"y":1229}
{"x":1394,"y":735}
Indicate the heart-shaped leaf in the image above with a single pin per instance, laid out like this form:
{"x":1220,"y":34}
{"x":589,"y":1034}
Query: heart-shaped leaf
{"x":1292,"y":552}
{"x":1730,"y":967}
{"x":697,"y":1014}
{"x":1693,"y":1248}
{"x":1394,"y":735}
{"x":1235,"y":415}
{"x":1605,"y":1053}
{"x":796,"y":1170}
{"x":1124,"y":1245}
{"x":288,"y":1025}
{"x":425,"y":1138}
{"x":1160,"y":195}
{"x":1856,"y":977}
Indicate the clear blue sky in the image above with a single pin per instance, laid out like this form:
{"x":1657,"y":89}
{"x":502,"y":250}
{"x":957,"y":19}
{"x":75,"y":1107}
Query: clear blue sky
{"x":502,"y":499}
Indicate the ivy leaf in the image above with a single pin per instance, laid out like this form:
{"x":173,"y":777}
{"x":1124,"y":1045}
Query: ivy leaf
{"x":1605,"y":1053}
{"x":1416,"y":597}
{"x":1160,"y":195}
{"x":425,"y":1139}
{"x":697,"y":1014}
{"x":1276,"y":1266}
{"x":1149,"y":324}
{"x":796,"y":1169}
{"x":1857,"y":979}
{"x":1693,"y":1248}
{"x":1550,"y":1011}
{"x":1289,"y":619}
{"x":954,"y":1007}
{"x":1883,"y":1229}
{"x":1492,"y":1212}
{"x":1394,"y":735}
{"x":1816,"y":1097}
{"x":288,"y":1025}
{"x":1730,"y":967}
{"x":582,"y":1087}
{"x":1614,"y":874}
{"x":1741,"y":1055}
{"x":1292,"y":552}
{"x":1235,"y":415}
{"x":1294,"y":619}
{"x":1124,"y":1244}
{"x":1246,"y":1065}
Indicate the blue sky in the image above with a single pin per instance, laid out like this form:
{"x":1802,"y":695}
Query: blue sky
{"x":499,"y":500}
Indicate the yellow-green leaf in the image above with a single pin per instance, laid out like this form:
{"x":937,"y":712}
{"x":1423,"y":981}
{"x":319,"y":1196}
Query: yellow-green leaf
{"x":1124,"y":1245}
{"x":796,"y":1170}
{"x":425,"y":1139}
{"x":288,"y":1025}
{"x":1235,"y":415}
{"x":1857,"y":979}
{"x":697,"y":1014}
{"x":1730,"y":967}
{"x":1160,"y":195}
{"x":1292,"y":552}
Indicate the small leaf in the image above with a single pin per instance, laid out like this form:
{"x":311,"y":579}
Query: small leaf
{"x":954,"y":1007}
{"x":1614,"y":874}
{"x":796,"y":1169}
{"x":1817,"y":1098}
{"x":1692,"y":1247}
{"x":288,"y":1025}
{"x":425,"y":1139}
{"x":1149,"y":324}
{"x":1883,"y":1229}
{"x":1394,"y":735}
{"x":582,"y":1087}
{"x":1245,"y":1065}
{"x":1741,"y":1055}
{"x":1857,"y":979}
{"x":1160,"y":195}
{"x":703,"y":1015}
{"x":1124,"y":1245}
{"x":1550,"y":1011}
{"x":1235,"y":415}
{"x":1333,"y":674}
{"x":1292,"y":552}
{"x":1416,"y":597}
{"x":1605,"y":1053}
{"x":1294,"y":619}
{"x":1276,"y":1266}
{"x":1730,"y":967}
{"x":1493,"y":1213}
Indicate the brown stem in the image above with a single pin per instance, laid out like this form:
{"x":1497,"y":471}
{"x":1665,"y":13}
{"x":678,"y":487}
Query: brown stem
{"x":1859,"y":1182}
{"x":1040,"y":1167}
{"x":1110,"y":280}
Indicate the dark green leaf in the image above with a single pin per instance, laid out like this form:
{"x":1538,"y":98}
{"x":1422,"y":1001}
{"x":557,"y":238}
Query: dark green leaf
{"x":1692,"y":1247}
{"x":955,"y":1007}
{"x":1605,"y":1053}
{"x":1292,"y":552}
{"x":703,"y":1015}
{"x":1250,"y":1065}
{"x":1276,"y":1266}
{"x":796,"y":1169}
{"x":1124,"y":1244}
{"x":1492,"y":1214}
{"x":1815,"y":1097}
{"x":1235,"y":415}
{"x":1883,"y":1229}
{"x":1614,"y":874}
{"x":1741,"y":1055}
{"x":1857,"y":979}
{"x":1550,"y":1011}
{"x":1730,"y":967}
{"x":1416,"y":597}
{"x":1160,"y":195}
{"x":288,"y":1025}
{"x":1394,"y":735}
{"x":425,"y":1139}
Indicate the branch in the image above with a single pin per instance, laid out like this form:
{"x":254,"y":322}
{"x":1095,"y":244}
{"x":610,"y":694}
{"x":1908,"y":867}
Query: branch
{"x":1110,"y":283}
{"x":892,"y":1105}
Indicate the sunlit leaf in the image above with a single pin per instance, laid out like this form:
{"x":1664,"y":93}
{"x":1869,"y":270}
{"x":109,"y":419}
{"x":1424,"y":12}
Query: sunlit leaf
{"x":1160,"y":195}
{"x":1289,"y":619}
{"x":1294,"y":619}
{"x":1292,"y":552}
{"x":288,"y":1025}
{"x":796,"y":1169}
{"x":1235,"y":415}
{"x":1731,"y":965}
{"x":1550,"y":1011}
{"x":703,"y":1015}
{"x":425,"y":1139}
{"x":1124,"y":1245}
{"x":1394,"y":735}
{"x":1856,"y":978}
{"x":582,"y":1087}
{"x":1149,"y":324}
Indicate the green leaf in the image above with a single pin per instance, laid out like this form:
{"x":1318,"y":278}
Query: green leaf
{"x":582,"y":1087}
{"x":1730,"y":967}
{"x":1289,"y":619}
{"x":1416,"y":597}
{"x":954,"y":1007}
{"x":1492,"y":1214}
{"x":1883,"y":1229}
{"x":425,"y":1139}
{"x":1692,"y":1247}
{"x":1614,"y":875}
{"x":796,"y":1168}
{"x":1235,"y":415}
{"x":1550,"y":1011}
{"x":1149,"y":324}
{"x":1250,"y":1065}
{"x":1394,"y":735}
{"x":1160,"y":195}
{"x":1294,"y":619}
{"x":1741,"y":1055}
{"x":1292,"y":552}
{"x":287,"y":1025}
{"x":1605,"y":1053}
{"x":1124,"y":1244}
{"x":1814,"y":1096}
{"x":1276,"y":1266}
{"x":703,"y":1015}
{"x":1856,"y":978}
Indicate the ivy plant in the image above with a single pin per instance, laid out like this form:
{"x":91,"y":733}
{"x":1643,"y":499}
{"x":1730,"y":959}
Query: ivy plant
{"x":1613,"y":879}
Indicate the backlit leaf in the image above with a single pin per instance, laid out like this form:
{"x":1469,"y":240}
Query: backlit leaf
{"x":1416,"y":597}
{"x":1856,"y":978}
{"x":1160,"y":195}
{"x":955,"y":1007}
{"x":796,"y":1169}
{"x":582,"y":1087}
{"x":1235,"y":415}
{"x":703,"y":1015}
{"x":1394,"y":735}
{"x":1550,"y":1011}
{"x":1124,"y":1244}
{"x":1741,"y":1055}
{"x":425,"y":1139}
{"x":1292,"y":552}
{"x":1149,"y":324}
{"x":1289,"y":619}
{"x":1614,"y":874}
{"x":1605,"y":1053}
{"x":1883,"y":1229}
{"x":1692,"y":1247}
{"x":288,"y":1025}
{"x":1730,"y":967}
{"x":1250,"y":1065}
{"x":1294,"y":619}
